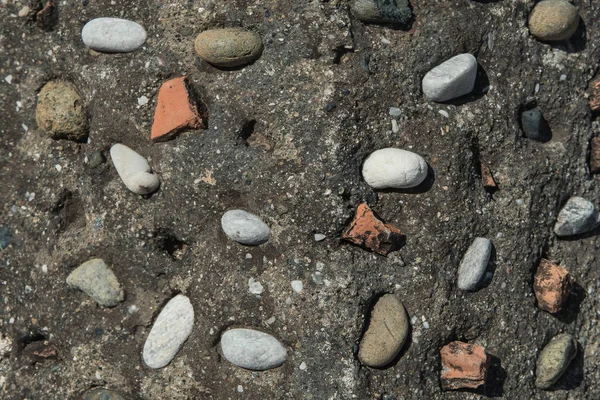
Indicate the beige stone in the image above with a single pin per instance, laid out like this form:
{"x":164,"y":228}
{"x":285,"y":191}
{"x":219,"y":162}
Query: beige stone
{"x":230,"y":47}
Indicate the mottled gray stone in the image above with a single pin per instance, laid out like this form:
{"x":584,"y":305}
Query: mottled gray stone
{"x":535,"y":126}
{"x":113,"y":35}
{"x":96,"y":280}
{"x":554,"y":360}
{"x":451,"y":79}
{"x":394,"y":168}
{"x":245,"y":228}
{"x":252,"y":349}
{"x":474,"y":263}
{"x":396,"y":12}
{"x":576,"y":217}
{"x":170,"y":330}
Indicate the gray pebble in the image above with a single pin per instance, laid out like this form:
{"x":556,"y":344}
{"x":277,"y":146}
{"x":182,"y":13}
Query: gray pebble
{"x":252,"y":349}
{"x":474,"y":264}
{"x":113,"y":35}
{"x":576,"y":217}
{"x":5,"y":237}
{"x":170,"y":330}
{"x":96,"y":280}
{"x":319,"y":237}
{"x":395,"y":112}
{"x":554,"y":360}
{"x":451,"y":79}
{"x":245,"y":228}
{"x":535,"y":126}
{"x":96,"y":159}
{"x":395,"y":12}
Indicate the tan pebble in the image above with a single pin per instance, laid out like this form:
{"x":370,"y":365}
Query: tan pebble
{"x":553,"y":20}
{"x":230,"y":47}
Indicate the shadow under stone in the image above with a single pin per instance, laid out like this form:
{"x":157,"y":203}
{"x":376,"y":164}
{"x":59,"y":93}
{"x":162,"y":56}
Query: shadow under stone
{"x":572,"y":308}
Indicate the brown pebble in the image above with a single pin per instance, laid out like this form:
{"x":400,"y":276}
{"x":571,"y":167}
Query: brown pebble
{"x":594,"y":91}
{"x":551,"y":285}
{"x":595,"y":155}
{"x":486,"y":177}
{"x":40,"y":351}
{"x":464,"y":365}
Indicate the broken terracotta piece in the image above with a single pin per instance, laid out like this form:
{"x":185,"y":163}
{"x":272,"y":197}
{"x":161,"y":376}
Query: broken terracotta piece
{"x":552,"y":285}
{"x":175,"y":110}
{"x":594,"y":89}
{"x":595,"y":153}
{"x":40,"y":351}
{"x":367,"y":231}
{"x":486,"y":177}
{"x":464,"y":365}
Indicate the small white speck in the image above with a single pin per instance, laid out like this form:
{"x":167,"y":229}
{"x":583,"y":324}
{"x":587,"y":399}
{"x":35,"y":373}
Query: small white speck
{"x":211,"y":331}
{"x":254,"y":286}
{"x":58,"y":167}
{"x":395,"y":127}
{"x":297,"y":286}
{"x":303,"y":366}
{"x":142,"y":101}
{"x":248,"y":256}
{"x":395,"y":111}
{"x":240,"y":388}
{"x":444,"y":113}
{"x":519,"y":202}
{"x":132,"y":309}
{"x":319,"y":237}
{"x":45,"y":268}
{"x":500,"y":235}
{"x":414,"y":320}
{"x":25,"y":127}
{"x":426,"y":325}
{"x":11,"y":320}
{"x":385,"y":40}
{"x":8,"y":79}
{"x":537,"y":87}
{"x":563,"y":77}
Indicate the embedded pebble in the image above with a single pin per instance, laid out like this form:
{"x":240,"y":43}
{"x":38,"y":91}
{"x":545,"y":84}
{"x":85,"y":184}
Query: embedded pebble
{"x":5,"y":237}
{"x":387,"y":332}
{"x":170,"y":330}
{"x":252,"y":349}
{"x":553,"y":20}
{"x":23,"y":12}
{"x":474,"y":264}
{"x":319,"y":237}
{"x":97,"y":281}
{"x":451,"y":79}
{"x":576,"y":217}
{"x":113,"y":35}
{"x":395,"y":112}
{"x":397,"y":12}
{"x":133,"y":169}
{"x":60,"y":112}
{"x":245,"y":228}
{"x":254,"y":286}
{"x":229,"y":47}
{"x":554,"y":360}
{"x":552,"y":286}
{"x":297,"y":286}
{"x":394,"y":168}
{"x":535,"y":126}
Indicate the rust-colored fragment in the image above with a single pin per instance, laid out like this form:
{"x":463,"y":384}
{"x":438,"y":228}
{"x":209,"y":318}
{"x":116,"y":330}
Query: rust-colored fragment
{"x":47,"y":17}
{"x":594,"y":90}
{"x":175,"y":110}
{"x":551,"y":285}
{"x":464,"y":365}
{"x":595,"y":155}
{"x":486,"y":177}
{"x":367,"y":231}
{"x":40,"y":351}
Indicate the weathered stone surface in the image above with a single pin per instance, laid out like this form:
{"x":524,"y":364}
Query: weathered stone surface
{"x":451,"y":79}
{"x":464,"y":365}
{"x":95,"y":279}
{"x":170,"y":330}
{"x":551,"y":285}
{"x":595,"y":155}
{"x":577,"y":216}
{"x":245,"y":228}
{"x":474,"y":264}
{"x":133,"y":169}
{"x":102,"y":394}
{"x":553,"y":20}
{"x":230,"y":47}
{"x":395,"y":12}
{"x":113,"y":35}
{"x":554,"y":360}
{"x":394,"y":168}
{"x":535,"y":126}
{"x":61,"y":112}
{"x":387,"y":332}
{"x":252,"y":349}
{"x":175,"y":110}
{"x":368,"y":232}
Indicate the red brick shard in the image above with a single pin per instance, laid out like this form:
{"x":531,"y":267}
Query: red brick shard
{"x":175,"y":110}
{"x":368,"y":232}
{"x":464,"y":365}
{"x":486,"y":177}
{"x":594,"y":90}
{"x":595,"y":155}
{"x":551,"y":285}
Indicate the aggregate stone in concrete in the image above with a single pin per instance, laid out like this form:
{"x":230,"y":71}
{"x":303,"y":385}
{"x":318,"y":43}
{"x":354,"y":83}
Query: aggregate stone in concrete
{"x":113,"y":35}
{"x":474,"y":264}
{"x":394,"y":168}
{"x":554,"y":360}
{"x":229,"y":47}
{"x":251,"y":349}
{"x":245,"y":228}
{"x":576,"y":217}
{"x":95,"y":279}
{"x":451,"y":79}
{"x":134,"y":170}
{"x":396,"y":12}
{"x":553,"y":20}
{"x":535,"y":125}
{"x":61,"y":111}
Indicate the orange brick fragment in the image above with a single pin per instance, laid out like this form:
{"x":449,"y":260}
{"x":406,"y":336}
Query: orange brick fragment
{"x":464,"y":365}
{"x":486,"y":177}
{"x":367,"y":231}
{"x":551,"y":285}
{"x":595,"y":155}
{"x":594,"y":89}
{"x":175,"y":110}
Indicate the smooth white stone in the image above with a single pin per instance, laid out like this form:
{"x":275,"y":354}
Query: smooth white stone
{"x":252,"y":349}
{"x":474,"y":264}
{"x":297,"y":286}
{"x":255,"y":287}
{"x":134,"y":170}
{"x":113,"y":35}
{"x":394,"y":168}
{"x":245,"y":228}
{"x":170,"y":330}
{"x":577,"y":216}
{"x":451,"y":79}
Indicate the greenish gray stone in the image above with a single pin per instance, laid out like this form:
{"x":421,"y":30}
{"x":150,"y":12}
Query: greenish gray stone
{"x":61,"y":113}
{"x":554,"y":360}
{"x":100,"y":283}
{"x":96,"y":159}
{"x":5,"y":237}
{"x":102,"y":394}
{"x":230,"y":47}
{"x":383,"y":11}
{"x":535,"y":126}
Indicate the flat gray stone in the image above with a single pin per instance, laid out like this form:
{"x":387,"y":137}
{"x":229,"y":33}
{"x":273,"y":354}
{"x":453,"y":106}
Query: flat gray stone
{"x":474,"y":264}
{"x":245,"y":228}
{"x":252,"y":349}
{"x":576,"y":217}
{"x":113,"y":35}
{"x":395,"y":12}
{"x":170,"y":330}
{"x":394,"y":168}
{"x":554,"y":360}
{"x":451,"y":79}
{"x":97,"y":281}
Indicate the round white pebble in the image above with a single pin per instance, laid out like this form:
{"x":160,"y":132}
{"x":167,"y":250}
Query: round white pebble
{"x":394,"y":168}
{"x":134,"y":170}
{"x":252,"y":349}
{"x":245,"y":228}
{"x":113,"y":35}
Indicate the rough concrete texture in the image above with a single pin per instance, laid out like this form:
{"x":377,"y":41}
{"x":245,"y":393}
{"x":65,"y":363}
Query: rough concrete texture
{"x":302,"y":174}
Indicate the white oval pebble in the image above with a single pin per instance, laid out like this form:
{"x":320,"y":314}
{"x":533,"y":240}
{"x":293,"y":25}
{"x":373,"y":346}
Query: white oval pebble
{"x":394,"y":168}
{"x":252,"y":349}
{"x":134,"y":170}
{"x":474,"y":263}
{"x":171,"y":328}
{"x":451,"y":79}
{"x":245,"y":228}
{"x":113,"y":35}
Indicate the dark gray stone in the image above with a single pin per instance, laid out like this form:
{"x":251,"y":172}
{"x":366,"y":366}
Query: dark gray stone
{"x":535,"y":126}
{"x":96,"y":159}
{"x":396,"y":12}
{"x":5,"y":237}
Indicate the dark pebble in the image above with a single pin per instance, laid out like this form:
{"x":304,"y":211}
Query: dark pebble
{"x":535,"y":126}
{"x":5,"y":237}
